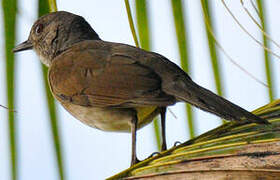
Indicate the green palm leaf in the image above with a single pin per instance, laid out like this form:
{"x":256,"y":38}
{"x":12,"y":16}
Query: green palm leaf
{"x":44,"y":7}
{"x":268,"y":70}
{"x":182,"y":41}
{"x":142,"y":17}
{"x":250,"y":149}
{"x":9,"y":9}
{"x":208,"y":20}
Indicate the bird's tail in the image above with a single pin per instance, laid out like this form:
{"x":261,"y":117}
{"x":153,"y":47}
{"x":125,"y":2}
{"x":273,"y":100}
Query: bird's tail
{"x":204,"y":99}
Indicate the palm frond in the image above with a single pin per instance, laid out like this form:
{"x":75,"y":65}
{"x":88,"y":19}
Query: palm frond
{"x":268,"y":69}
{"x":44,"y":8}
{"x":142,"y":20}
{"x":181,"y":33}
{"x":9,"y":9}
{"x":227,"y":151}
{"x":208,"y":21}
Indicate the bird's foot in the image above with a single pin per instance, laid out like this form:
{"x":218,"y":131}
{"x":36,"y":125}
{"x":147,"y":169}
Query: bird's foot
{"x":177,"y":143}
{"x":163,"y":147}
{"x":153,"y":154}
{"x":134,"y":161}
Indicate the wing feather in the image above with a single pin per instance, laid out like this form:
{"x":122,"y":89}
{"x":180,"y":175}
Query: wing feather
{"x":95,"y":77}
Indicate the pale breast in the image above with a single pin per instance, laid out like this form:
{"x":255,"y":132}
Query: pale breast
{"x":107,"y":119}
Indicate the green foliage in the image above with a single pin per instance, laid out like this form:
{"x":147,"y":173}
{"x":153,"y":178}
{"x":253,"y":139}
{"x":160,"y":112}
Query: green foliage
{"x":52,"y":5}
{"x":212,"y":46}
{"x":142,"y":17}
{"x":211,"y":143}
{"x":131,"y":24}
{"x":142,"y":20}
{"x":268,"y":69}
{"x":9,"y":9}
{"x":43,"y":8}
{"x":182,"y":41}
{"x":228,"y":139}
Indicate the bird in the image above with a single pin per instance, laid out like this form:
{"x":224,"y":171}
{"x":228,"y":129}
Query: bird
{"x":113,"y":86}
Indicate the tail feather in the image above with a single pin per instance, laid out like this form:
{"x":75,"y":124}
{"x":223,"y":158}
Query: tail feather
{"x":206,"y":100}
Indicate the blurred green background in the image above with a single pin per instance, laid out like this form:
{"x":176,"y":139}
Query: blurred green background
{"x":43,"y":139}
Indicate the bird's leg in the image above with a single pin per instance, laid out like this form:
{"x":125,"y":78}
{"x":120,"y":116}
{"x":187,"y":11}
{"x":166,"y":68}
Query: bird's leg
{"x":134,"y":159}
{"x":163,"y":134}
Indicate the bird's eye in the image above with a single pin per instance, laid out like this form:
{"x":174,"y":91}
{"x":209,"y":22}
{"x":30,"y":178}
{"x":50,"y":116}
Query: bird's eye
{"x":39,"y":29}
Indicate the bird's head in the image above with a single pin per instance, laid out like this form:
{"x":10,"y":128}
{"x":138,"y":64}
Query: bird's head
{"x":53,"y":33}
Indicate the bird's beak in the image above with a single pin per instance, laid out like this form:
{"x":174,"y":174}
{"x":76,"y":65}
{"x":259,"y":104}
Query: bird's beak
{"x":23,"y":46}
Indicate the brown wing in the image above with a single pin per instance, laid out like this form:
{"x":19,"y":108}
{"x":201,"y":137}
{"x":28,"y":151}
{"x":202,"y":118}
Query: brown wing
{"x":97,"y":77}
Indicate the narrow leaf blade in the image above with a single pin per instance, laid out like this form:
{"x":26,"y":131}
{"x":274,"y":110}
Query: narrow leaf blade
{"x":268,"y":69}
{"x":43,"y":8}
{"x":9,"y":9}
{"x":182,"y":41}
{"x":208,"y":20}
{"x":142,"y":19}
